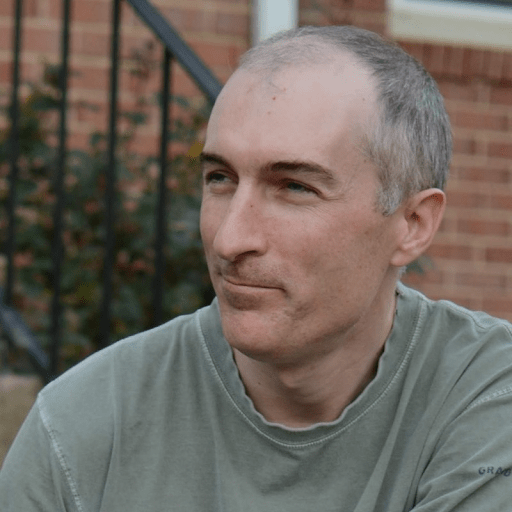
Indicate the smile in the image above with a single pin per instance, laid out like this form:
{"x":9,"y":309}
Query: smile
{"x":248,"y":285}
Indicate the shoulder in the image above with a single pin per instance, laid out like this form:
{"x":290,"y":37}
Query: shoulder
{"x":467,"y":354}
{"x":127,"y":376}
{"x":134,"y":353}
{"x":445,"y":319}
{"x":114,"y":401}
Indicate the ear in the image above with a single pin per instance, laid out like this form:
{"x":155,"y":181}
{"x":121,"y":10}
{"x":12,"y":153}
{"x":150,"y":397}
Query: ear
{"x":422,"y":215}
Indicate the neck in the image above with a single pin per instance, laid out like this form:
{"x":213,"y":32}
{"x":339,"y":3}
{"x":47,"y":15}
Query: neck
{"x":319,"y":390}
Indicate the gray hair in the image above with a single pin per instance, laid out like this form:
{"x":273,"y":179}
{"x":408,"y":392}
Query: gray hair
{"x":410,"y":141}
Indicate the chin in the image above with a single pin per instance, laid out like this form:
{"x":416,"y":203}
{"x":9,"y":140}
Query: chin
{"x":253,"y":334}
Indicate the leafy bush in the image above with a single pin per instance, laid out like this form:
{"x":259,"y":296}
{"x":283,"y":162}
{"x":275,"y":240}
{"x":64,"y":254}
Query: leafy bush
{"x":186,"y":279}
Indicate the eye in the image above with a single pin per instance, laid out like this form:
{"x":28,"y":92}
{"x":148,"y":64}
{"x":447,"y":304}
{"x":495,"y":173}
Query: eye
{"x":215,"y":177}
{"x":219,"y":182}
{"x":299,"y":188}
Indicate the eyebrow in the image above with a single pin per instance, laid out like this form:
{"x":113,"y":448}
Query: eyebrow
{"x":212,"y":158}
{"x":294,"y":166}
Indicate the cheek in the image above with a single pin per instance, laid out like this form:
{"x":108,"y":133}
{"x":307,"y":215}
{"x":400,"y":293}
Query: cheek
{"x":312,"y":257}
{"x":334,"y":253}
{"x":208,"y":224}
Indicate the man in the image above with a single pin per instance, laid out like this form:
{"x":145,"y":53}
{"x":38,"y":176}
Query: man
{"x":315,"y":381}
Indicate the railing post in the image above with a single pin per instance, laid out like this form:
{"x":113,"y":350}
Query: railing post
{"x":14,"y":154}
{"x":161,"y":222}
{"x":110,"y":195}
{"x":14,"y":327}
{"x":57,"y":245}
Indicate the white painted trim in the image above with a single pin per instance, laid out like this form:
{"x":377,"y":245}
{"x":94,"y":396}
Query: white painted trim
{"x":271,"y":16}
{"x":450,"y":22}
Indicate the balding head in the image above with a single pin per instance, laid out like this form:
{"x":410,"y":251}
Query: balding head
{"x":409,"y":139}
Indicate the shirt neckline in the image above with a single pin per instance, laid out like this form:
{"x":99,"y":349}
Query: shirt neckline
{"x":397,"y":350}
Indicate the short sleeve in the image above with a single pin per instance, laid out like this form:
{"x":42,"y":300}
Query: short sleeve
{"x":32,"y":478}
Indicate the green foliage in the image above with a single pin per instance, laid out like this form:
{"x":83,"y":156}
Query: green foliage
{"x":186,"y":279}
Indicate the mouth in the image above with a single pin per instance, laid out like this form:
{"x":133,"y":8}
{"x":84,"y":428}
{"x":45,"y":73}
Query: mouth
{"x":245,"y":294}
{"x":248,"y":284}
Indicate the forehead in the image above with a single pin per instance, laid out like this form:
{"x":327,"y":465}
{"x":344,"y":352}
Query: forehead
{"x":318,"y":113}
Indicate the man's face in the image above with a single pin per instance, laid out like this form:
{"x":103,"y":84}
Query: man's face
{"x":297,"y":253}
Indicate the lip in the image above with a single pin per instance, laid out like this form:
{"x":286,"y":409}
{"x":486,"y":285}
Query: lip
{"x":247,"y":284}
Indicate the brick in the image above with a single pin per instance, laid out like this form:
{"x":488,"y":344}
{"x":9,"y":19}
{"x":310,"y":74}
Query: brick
{"x":433,"y":58}
{"x":500,"y":176}
{"x":498,"y":305}
{"x":431,"y":276}
{"x":500,"y":150}
{"x":50,"y":9}
{"x":461,"y":199}
{"x":480,"y":280}
{"x":493,"y":67}
{"x":482,"y":90}
{"x":200,"y":21}
{"x":6,"y":38}
{"x":233,"y":1}
{"x":95,"y":119}
{"x":465,"y":146}
{"x":457,"y":91}
{"x":369,"y":5}
{"x":191,"y":20}
{"x":502,"y":201}
{"x":450,"y":252}
{"x":454,"y":61}
{"x":480,"y":120}
{"x":236,"y":24}
{"x":5,"y":72}
{"x":90,"y":78}
{"x":89,"y":43}
{"x":507,"y":66}
{"x":183,"y":85}
{"x":89,"y":11}
{"x":501,"y":95}
{"x":31,"y":71}
{"x":218,"y":55}
{"x":30,"y":8}
{"x":41,"y":40}
{"x":178,"y":18}
{"x":475,"y":63}
{"x":484,"y":227}
{"x":7,"y":9}
{"x":499,"y":255}
{"x":446,"y":226}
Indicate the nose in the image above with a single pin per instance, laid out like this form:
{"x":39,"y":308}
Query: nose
{"x":242,"y":230}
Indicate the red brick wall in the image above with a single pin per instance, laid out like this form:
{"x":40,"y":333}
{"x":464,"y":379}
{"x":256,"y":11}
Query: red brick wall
{"x":472,"y":253}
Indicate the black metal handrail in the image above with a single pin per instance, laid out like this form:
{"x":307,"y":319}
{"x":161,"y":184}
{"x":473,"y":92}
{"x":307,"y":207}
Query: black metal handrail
{"x":14,"y":328}
{"x":189,"y":60}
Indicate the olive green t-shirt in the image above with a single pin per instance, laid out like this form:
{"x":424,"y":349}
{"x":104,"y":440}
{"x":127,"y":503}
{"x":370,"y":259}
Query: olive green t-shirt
{"x":161,"y":422}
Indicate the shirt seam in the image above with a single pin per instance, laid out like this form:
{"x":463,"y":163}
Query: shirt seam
{"x":496,"y":394}
{"x":59,"y":452}
{"x":471,"y":316}
{"x":408,"y":352}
